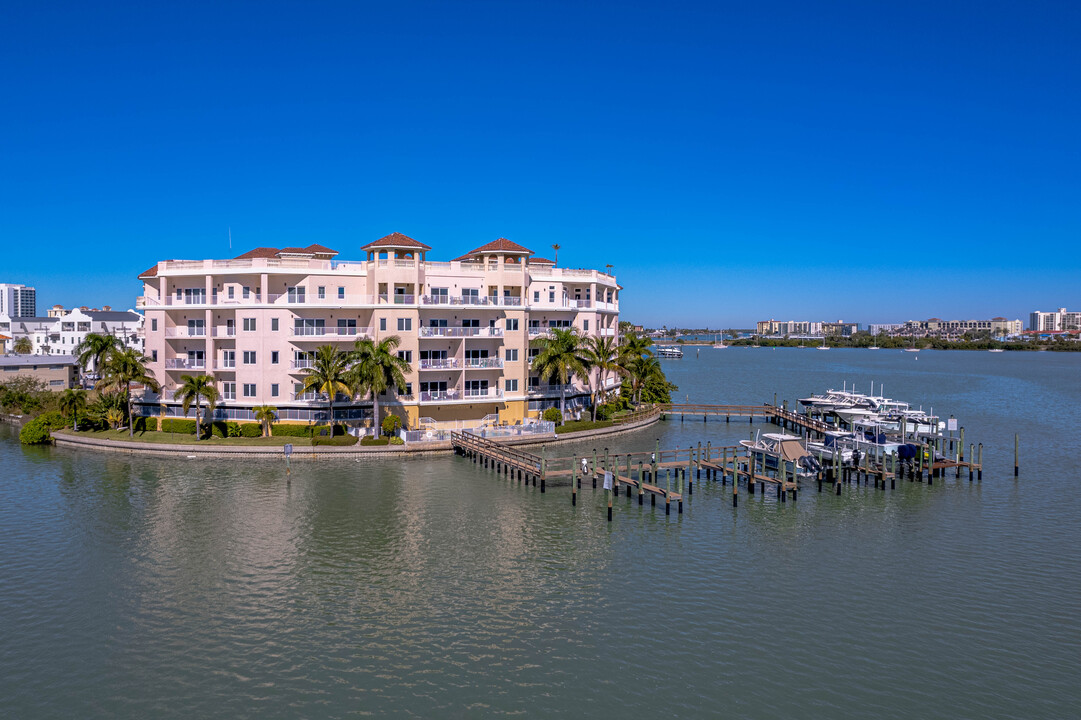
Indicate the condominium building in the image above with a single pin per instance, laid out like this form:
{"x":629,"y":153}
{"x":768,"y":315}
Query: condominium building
{"x":18,"y":300}
{"x":466,"y":327}
{"x":1056,"y":321}
{"x":63,"y":330}
{"x":998,"y":327}
{"x":805,"y":328}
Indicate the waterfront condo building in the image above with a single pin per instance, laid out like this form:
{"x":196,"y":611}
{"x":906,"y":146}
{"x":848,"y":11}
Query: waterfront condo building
{"x":466,"y":327}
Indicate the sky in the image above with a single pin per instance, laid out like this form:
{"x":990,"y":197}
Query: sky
{"x":734,"y":161}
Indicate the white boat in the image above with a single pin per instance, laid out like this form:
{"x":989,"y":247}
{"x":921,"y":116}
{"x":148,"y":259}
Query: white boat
{"x":823,"y":346}
{"x":669,"y":351}
{"x":770,"y":450}
{"x":996,"y":350}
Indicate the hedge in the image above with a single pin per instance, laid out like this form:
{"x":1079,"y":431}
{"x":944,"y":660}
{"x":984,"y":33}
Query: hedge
{"x":341,"y":440}
{"x":579,"y":425}
{"x":145,"y":424}
{"x":552,"y":415}
{"x":290,"y":430}
{"x":176,"y":425}
{"x":35,"y":432}
{"x":375,"y":441}
{"x":225,"y":428}
{"x":251,"y":430}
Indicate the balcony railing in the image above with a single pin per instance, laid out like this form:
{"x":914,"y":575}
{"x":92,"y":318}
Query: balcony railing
{"x":185,"y":332}
{"x":225,"y":331}
{"x":484,"y":393}
{"x":552,"y":389}
{"x":455,"y":394}
{"x":225,"y":364}
{"x":440,"y":364}
{"x":483,"y":363}
{"x":184,"y":364}
{"x":302,"y":364}
{"x":346,"y":333}
{"x":460,"y":332}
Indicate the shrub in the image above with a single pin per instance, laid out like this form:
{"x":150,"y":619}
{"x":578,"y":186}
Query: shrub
{"x":292,"y":430}
{"x":579,"y":425}
{"x":552,"y":415}
{"x":251,"y":430}
{"x":605,"y":412}
{"x":397,"y":441}
{"x":391,"y":424}
{"x":178,"y":425}
{"x":225,"y":429}
{"x":341,"y":440}
{"x":145,"y":424}
{"x":35,"y":432}
{"x":53,"y":420}
{"x":375,"y":441}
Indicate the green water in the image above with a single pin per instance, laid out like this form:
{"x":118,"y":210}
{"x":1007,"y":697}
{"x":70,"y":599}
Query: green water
{"x":134,"y":587}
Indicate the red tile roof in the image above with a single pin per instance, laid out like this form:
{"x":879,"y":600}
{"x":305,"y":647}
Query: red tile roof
{"x":998,"y":319}
{"x":294,"y":251}
{"x":321,"y":249}
{"x":396,"y":240}
{"x":259,"y":252}
{"x":541,"y":261}
{"x":152,"y":272}
{"x":501,"y":245}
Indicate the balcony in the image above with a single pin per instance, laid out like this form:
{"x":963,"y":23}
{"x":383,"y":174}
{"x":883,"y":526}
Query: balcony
{"x":460,"y":332}
{"x":224,"y":331}
{"x":440,"y":364}
{"x":184,"y":364}
{"x":483,"y":363}
{"x":456,"y":395}
{"x":332,"y":333}
{"x":227,"y":365}
{"x":305,"y":364}
{"x":405,"y":299}
{"x":552,"y":390}
{"x":185,"y":332}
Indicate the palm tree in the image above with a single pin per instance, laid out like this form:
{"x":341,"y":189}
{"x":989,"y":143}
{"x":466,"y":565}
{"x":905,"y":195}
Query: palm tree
{"x":93,"y":349}
{"x":122,"y":367}
{"x":561,"y":357}
{"x":602,"y":355}
{"x":265,"y":414}
{"x":556,"y":249}
{"x":22,"y":346}
{"x":193,"y":389}
{"x":74,"y":402}
{"x":114,"y":416}
{"x":377,"y":368}
{"x":642,"y":370}
{"x":328,"y":375}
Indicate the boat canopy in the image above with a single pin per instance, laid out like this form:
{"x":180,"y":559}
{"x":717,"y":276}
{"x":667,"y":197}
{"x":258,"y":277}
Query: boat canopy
{"x":792,"y":450}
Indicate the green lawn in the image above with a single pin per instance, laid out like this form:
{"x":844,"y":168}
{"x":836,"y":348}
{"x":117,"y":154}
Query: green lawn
{"x":578,"y":425}
{"x":189,"y":439}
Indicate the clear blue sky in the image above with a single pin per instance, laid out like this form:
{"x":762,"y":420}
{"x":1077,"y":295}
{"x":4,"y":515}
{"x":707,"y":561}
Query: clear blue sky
{"x":734,"y":161}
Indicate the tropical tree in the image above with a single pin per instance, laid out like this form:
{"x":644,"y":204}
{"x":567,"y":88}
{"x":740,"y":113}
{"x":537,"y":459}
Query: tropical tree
{"x":194,"y":388}
{"x":555,"y":248}
{"x":114,"y":416}
{"x":122,"y":367}
{"x":643,"y":370}
{"x":632,"y":349}
{"x":328,"y":375}
{"x":561,"y":357}
{"x":22,"y":346}
{"x":266,"y":415}
{"x":73,"y":402}
{"x":602,"y":355}
{"x":377,"y":368}
{"x":93,"y":349}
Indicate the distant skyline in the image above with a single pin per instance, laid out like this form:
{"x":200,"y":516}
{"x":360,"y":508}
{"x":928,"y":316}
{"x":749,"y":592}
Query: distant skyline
{"x":734,"y":162}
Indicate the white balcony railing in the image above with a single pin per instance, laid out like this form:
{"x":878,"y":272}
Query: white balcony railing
{"x":550,"y":390}
{"x":460,"y":332}
{"x":346,"y":333}
{"x":184,"y":364}
{"x":440,"y":364}
{"x":483,"y":363}
{"x":224,"y":331}
{"x":181,"y":331}
{"x":454,"y":394}
{"x":225,"y":365}
{"x":483,"y":393}
{"x":302,"y":364}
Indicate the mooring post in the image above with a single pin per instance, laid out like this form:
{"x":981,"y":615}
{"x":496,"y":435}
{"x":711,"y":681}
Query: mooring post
{"x":698,"y":465}
{"x":640,"y":482}
{"x":971,"y":461}
{"x":750,"y":476}
{"x":735,"y":490}
{"x":594,"y":473}
{"x":1016,"y":453}
{"x":893,"y":470}
{"x":574,"y":485}
{"x":689,"y":474}
{"x":979,"y":463}
{"x":667,"y":492}
{"x":608,"y":497}
{"x":957,"y":458}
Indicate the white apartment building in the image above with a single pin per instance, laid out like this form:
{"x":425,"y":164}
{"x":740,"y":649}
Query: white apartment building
{"x":1056,"y":321}
{"x":18,"y":300}
{"x":466,"y":327}
{"x":60,"y":334}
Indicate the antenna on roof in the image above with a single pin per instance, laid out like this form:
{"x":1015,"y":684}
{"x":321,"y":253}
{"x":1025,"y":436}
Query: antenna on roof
{"x":230,"y":237}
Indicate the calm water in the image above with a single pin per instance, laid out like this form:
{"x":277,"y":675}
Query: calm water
{"x":140,"y":588}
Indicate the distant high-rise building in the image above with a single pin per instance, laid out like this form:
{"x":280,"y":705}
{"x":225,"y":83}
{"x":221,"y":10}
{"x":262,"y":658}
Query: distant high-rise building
{"x":1056,"y":321}
{"x":18,"y":300}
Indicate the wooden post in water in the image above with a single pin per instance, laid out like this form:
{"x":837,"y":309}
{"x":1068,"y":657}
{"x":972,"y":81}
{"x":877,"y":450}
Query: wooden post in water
{"x":724,"y":465}
{"x":971,"y":461}
{"x":574,"y":485}
{"x":1016,"y":454}
{"x":979,"y":462}
{"x":698,"y":465}
{"x":544,"y":472}
{"x":608,"y":497}
{"x":893,"y":471}
{"x":689,"y":474}
{"x":640,"y":482}
{"x":594,"y":468}
{"x":667,"y":492}
{"x":961,"y":445}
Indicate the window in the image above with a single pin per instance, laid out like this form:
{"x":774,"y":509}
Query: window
{"x":249,"y":357}
{"x":247,"y":293}
{"x":536,"y":296}
{"x":470,"y":323}
{"x":440,"y":296}
{"x":341,"y":293}
{"x":511,"y":386}
{"x":512,"y":354}
{"x":295,"y":294}
{"x":228,"y":391}
{"x":274,"y":324}
{"x":551,"y":296}
{"x":249,"y":324}
{"x":347,"y":327}
{"x":249,"y":390}
{"x":512,"y":323}
{"x":383,"y":324}
{"x":405,"y":324}
{"x":228,"y":358}
{"x":231,"y":292}
{"x":274,"y":357}
{"x":154,"y":355}
{"x":154,"y":324}
{"x":321,"y":292}
{"x":274,"y":390}
{"x":585,"y":325}
{"x":406,"y":355}
{"x":407,"y":390}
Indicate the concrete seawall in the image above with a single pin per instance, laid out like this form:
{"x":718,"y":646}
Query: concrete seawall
{"x":419,"y":449}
